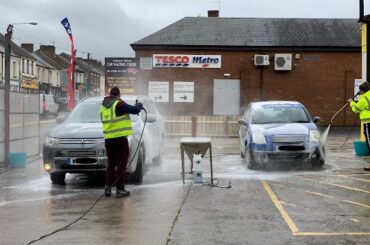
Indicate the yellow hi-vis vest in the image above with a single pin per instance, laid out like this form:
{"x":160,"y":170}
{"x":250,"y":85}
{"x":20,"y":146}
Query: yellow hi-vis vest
{"x":362,"y":107}
{"x":113,"y":126}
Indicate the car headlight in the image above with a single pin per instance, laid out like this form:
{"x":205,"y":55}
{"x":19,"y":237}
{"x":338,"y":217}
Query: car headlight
{"x":314,"y":135}
{"x":49,"y":141}
{"x":258,"y":137}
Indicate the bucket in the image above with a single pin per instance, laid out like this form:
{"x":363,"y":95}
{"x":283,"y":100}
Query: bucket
{"x":361,"y":148}
{"x":17,"y":159}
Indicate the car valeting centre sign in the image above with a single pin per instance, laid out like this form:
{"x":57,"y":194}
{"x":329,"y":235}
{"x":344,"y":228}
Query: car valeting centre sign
{"x":121,"y":73}
{"x":158,"y":91}
{"x":183,"y":92}
{"x":186,"y":61}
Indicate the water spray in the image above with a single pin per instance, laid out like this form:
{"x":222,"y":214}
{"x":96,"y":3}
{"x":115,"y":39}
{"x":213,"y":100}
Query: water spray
{"x":326,"y":132}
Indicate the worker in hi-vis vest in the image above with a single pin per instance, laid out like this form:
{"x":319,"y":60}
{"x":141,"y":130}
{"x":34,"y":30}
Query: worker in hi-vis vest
{"x":116,"y":127}
{"x":363,"y":108}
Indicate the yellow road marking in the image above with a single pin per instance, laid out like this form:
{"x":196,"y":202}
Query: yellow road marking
{"x":332,"y":234}
{"x":291,"y":224}
{"x":342,"y":186}
{"x":48,"y":121}
{"x":323,"y":195}
{"x":355,"y":220}
{"x":31,"y":123}
{"x":293,"y":205}
{"x":354,"y":178}
{"x":280,"y":207}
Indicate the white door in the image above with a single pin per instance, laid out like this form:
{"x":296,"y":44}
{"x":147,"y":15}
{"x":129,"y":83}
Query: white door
{"x":226,"y":97}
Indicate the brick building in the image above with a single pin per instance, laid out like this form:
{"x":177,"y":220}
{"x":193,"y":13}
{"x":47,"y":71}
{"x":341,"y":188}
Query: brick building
{"x":314,"y":61}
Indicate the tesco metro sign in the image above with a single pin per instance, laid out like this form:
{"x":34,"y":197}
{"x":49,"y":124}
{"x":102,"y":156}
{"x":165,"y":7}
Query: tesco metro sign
{"x":186,"y":61}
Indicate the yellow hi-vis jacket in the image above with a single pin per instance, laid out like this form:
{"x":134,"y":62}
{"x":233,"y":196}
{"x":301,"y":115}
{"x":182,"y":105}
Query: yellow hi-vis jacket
{"x":113,"y":126}
{"x":362,"y":107}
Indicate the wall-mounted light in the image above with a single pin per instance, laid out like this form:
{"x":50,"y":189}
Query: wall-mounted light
{"x":227,"y":75}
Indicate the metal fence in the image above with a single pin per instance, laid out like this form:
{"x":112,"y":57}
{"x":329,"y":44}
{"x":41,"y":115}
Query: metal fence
{"x":213,"y":126}
{"x":24,"y":124}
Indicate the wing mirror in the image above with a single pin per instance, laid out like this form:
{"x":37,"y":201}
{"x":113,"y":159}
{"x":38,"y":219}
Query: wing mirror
{"x":151,"y":118}
{"x":316,"y":119}
{"x":243,"y":122}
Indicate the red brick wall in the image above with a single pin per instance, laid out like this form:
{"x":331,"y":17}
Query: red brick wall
{"x":322,"y":81}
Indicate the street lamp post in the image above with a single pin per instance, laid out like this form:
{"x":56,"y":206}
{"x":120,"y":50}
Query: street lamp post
{"x":8,"y":50}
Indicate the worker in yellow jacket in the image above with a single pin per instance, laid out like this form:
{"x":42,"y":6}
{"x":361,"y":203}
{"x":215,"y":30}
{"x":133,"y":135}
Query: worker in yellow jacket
{"x":363,"y":108}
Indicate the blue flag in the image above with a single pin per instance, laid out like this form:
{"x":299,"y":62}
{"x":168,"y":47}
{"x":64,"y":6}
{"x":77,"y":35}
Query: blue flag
{"x":66,"y":25}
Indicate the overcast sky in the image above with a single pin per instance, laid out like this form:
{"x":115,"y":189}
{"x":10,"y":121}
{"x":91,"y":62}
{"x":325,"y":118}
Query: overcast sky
{"x":107,"y":27}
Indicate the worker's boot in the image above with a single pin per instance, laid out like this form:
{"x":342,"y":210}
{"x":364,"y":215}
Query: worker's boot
{"x":122,"y":193}
{"x":107,"y":191}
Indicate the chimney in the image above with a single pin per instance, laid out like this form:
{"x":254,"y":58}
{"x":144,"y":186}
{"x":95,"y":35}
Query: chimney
{"x":213,"y":13}
{"x":48,"y":49}
{"x":28,"y":47}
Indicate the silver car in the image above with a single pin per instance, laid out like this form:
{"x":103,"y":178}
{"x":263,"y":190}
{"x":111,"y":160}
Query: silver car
{"x":76,"y":145}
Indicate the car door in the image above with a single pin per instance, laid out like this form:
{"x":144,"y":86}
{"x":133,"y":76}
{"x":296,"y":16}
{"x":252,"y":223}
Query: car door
{"x":153,"y":128}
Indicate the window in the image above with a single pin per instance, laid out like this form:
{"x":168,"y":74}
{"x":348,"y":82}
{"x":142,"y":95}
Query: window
{"x":28,"y":67}
{"x":15,"y":69}
{"x":23,"y":66}
{"x":32,"y":73}
{"x":38,"y":73}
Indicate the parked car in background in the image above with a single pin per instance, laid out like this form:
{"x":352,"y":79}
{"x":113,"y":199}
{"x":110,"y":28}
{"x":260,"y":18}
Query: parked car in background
{"x":62,"y":103}
{"x":48,"y":105}
{"x":279,"y":132}
{"x":76,"y":145}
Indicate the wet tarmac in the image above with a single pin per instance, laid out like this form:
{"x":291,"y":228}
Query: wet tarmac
{"x":280,"y":205}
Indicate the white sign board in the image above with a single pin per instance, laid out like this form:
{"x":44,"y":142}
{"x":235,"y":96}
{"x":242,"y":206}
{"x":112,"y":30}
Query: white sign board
{"x":158,"y":91}
{"x":186,"y":61}
{"x":358,"y":82}
{"x":183,"y":92}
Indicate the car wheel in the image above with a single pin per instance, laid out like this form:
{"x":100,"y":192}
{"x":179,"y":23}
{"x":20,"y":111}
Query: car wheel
{"x":251,"y":162}
{"x":137,"y":176}
{"x":320,"y":161}
{"x":242,"y":155}
{"x":157,"y":160}
{"x":318,"y":164}
{"x":57,"y":178}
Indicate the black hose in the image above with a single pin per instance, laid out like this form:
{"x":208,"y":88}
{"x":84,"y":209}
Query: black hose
{"x":98,"y":199}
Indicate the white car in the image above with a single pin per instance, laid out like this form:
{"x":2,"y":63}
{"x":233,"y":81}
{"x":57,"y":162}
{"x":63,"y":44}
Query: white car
{"x":48,"y":105}
{"x":76,"y":145}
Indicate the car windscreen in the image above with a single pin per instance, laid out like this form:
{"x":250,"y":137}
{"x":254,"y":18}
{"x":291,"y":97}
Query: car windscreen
{"x":279,"y":113}
{"x":89,"y":112}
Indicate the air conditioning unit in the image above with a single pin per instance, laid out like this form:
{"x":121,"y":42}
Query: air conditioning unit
{"x":261,"y":60}
{"x":283,"y":62}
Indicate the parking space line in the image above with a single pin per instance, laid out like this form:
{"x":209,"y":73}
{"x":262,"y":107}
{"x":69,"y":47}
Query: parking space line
{"x":332,"y":234}
{"x":290,"y":222}
{"x":341,"y":186}
{"x":354,"y":178}
{"x":324,"y":195}
{"x":280,"y":207}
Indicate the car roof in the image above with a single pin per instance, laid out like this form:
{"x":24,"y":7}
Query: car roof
{"x":123,"y":97}
{"x":274,"y":102}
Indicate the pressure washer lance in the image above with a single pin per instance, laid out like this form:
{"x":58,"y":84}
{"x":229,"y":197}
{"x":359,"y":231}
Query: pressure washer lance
{"x":99,"y":198}
{"x":326,"y":132}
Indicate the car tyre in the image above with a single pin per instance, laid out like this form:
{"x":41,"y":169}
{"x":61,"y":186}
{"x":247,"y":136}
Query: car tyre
{"x":57,"y":178}
{"x":242,"y":154}
{"x":251,"y":162}
{"x":158,"y":159}
{"x":318,"y":163}
{"x":137,"y":176}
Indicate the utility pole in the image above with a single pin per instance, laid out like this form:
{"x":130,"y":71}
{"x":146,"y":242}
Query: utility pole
{"x":8,"y":48}
{"x":89,"y":75}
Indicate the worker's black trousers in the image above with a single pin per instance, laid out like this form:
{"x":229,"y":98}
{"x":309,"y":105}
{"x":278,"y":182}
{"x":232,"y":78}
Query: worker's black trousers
{"x":117,"y":152}
{"x":367,"y":134}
